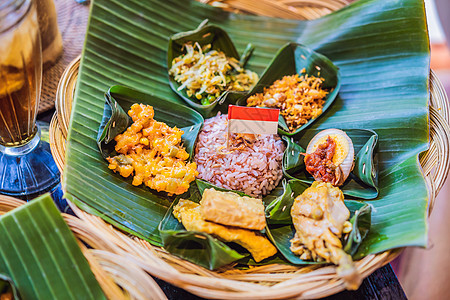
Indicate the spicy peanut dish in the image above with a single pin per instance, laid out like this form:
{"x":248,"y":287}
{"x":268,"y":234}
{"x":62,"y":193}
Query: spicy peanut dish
{"x":300,"y":98}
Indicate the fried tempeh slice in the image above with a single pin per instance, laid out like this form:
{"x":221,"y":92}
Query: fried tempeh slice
{"x":229,"y":208}
{"x":188,"y":213}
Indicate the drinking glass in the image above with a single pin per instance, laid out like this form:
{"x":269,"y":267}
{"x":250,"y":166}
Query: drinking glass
{"x":51,"y":39}
{"x":26,"y":164}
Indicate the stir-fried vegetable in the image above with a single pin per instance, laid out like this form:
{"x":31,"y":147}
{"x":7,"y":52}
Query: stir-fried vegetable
{"x":206,"y":73}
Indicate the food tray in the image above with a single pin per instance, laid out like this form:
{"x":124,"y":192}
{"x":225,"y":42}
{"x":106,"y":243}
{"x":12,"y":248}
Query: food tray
{"x":260,"y":282}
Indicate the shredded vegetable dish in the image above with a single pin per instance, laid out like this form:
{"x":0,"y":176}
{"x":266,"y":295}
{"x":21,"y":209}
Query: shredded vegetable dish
{"x":152,"y":150}
{"x":205,"y":74}
{"x":299,"y":98}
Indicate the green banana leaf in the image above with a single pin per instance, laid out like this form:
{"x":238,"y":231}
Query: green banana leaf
{"x":203,"y":35}
{"x":197,"y":247}
{"x":290,"y":60}
{"x":380,"y":47}
{"x":248,"y":262}
{"x":40,"y":255}
{"x":363,"y":180}
{"x":202,"y":185}
{"x":360,"y":217}
{"x":279,"y":201}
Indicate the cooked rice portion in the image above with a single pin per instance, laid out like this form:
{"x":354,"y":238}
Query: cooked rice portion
{"x":206,"y":73}
{"x":299,"y":98}
{"x":249,"y":165}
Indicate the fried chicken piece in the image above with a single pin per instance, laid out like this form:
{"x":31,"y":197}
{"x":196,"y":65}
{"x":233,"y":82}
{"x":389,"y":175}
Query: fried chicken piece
{"x":229,"y":208}
{"x":188,"y":213}
{"x":320,"y":218}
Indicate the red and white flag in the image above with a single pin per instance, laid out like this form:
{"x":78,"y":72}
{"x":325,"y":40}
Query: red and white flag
{"x":253,"y":120}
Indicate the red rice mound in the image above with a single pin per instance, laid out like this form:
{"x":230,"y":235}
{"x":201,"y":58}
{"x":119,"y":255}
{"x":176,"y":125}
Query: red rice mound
{"x":253,"y":168}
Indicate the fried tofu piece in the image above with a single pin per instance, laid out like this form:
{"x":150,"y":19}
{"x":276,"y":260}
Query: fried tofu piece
{"x":188,"y":213}
{"x":230,"y":209}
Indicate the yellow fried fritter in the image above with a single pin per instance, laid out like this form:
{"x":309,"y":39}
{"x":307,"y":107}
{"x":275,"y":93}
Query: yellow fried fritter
{"x":152,"y":151}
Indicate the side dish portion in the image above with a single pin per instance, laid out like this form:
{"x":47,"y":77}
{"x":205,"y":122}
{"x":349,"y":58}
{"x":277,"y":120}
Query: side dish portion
{"x":230,"y":209}
{"x":195,"y":217}
{"x":329,"y":156}
{"x":320,"y":218}
{"x":206,"y":73}
{"x":151,"y":151}
{"x":299,"y":98}
{"x":252,"y":164}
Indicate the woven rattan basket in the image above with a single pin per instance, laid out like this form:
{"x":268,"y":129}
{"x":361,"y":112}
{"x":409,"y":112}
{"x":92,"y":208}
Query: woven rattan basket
{"x":122,"y":260}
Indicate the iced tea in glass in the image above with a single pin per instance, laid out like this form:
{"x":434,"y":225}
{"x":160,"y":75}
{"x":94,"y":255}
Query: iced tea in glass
{"x":24,"y":161}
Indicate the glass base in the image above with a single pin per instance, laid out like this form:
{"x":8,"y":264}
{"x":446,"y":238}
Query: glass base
{"x":24,"y":149}
{"x":28,"y":171}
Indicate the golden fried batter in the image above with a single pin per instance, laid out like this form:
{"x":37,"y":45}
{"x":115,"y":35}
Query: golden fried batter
{"x":188,"y":213}
{"x":152,"y":150}
{"x":229,"y":208}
